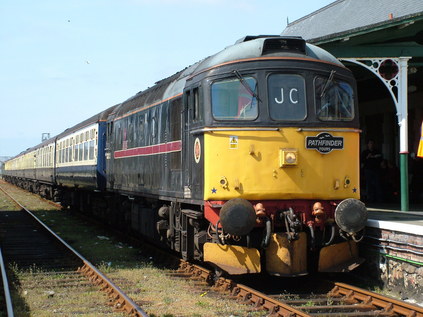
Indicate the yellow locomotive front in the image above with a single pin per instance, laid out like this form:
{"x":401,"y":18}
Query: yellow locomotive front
{"x":281,"y":166}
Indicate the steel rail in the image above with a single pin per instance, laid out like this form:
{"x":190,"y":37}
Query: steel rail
{"x":260,"y":300}
{"x":365,"y":302}
{"x":7,"y":296}
{"x":120,"y":300}
{"x":362,"y":302}
{"x":389,"y":305}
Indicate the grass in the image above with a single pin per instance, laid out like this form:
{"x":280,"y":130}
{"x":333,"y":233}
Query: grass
{"x":38,"y":293}
{"x":149,"y":286}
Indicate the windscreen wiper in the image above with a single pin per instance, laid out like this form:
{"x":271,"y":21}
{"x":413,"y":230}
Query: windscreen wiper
{"x":246,"y":86}
{"x":328,"y":81}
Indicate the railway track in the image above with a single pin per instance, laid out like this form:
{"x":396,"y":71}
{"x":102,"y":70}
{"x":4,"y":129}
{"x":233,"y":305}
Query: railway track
{"x":54,"y":270}
{"x":335,"y":299}
{"x":331,"y":299}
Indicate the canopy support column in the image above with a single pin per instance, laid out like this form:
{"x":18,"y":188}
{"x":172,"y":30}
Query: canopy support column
{"x":393,"y":73}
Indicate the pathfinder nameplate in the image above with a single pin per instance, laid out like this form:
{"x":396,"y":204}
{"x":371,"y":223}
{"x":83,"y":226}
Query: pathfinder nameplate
{"x":324,"y":143}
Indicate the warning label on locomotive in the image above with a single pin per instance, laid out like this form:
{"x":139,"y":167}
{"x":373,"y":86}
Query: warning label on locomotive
{"x":324,"y":143}
{"x":233,"y":142}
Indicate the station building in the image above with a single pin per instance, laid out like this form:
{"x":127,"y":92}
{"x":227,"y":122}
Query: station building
{"x":381,"y":42}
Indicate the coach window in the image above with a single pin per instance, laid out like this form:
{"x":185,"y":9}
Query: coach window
{"x":80,"y":152}
{"x":85,"y":150}
{"x":75,"y":152}
{"x":75,"y":149}
{"x":233,"y":99}
{"x":62,"y":152}
{"x":334,"y":99}
{"x":91,"y":156}
{"x":286,"y":97}
{"x":68,"y":151}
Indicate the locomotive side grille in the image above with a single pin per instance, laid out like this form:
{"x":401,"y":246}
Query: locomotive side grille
{"x":284,"y":44}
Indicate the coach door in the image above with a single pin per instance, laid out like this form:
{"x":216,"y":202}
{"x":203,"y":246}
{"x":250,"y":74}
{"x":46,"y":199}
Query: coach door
{"x":192,"y":145}
{"x":108,"y":151}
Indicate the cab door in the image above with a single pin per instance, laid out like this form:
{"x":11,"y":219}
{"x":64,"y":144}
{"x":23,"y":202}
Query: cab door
{"x":193,"y":145}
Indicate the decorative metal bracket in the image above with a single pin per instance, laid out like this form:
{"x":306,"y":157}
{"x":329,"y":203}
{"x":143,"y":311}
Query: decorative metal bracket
{"x":391,"y":71}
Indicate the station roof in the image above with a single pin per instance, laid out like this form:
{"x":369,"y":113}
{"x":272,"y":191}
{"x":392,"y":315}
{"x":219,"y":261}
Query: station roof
{"x":351,"y":17}
{"x":360,"y":28}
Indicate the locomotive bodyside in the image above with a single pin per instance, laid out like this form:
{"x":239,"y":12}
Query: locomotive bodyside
{"x":277,"y":132}
{"x":247,"y":160}
{"x":145,"y":141}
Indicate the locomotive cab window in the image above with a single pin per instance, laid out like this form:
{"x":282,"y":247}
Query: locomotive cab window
{"x":286,"y":97}
{"x":193,"y":104}
{"x":334,"y":99}
{"x":233,"y":99}
{"x":196,"y":105}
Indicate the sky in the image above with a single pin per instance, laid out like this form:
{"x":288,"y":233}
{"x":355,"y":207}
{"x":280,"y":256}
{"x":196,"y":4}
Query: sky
{"x":62,"y":62}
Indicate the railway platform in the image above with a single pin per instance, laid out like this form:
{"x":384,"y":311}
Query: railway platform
{"x":393,"y":250}
{"x":391,"y":218}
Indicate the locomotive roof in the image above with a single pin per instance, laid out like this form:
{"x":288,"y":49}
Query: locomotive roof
{"x":263,"y":45}
{"x":249,"y":47}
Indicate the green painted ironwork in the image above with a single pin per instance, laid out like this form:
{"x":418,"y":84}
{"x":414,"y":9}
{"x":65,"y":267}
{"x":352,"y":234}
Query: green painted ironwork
{"x":404,"y":181}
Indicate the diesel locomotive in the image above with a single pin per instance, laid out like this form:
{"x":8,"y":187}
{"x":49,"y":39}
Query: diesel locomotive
{"x":247,"y":160}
